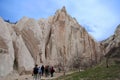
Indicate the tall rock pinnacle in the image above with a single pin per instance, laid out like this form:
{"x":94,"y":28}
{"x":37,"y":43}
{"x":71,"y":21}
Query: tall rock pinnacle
{"x":54,"y":41}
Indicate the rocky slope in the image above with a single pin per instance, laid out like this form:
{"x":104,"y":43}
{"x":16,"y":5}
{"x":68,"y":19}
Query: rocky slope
{"x":112,"y":46}
{"x":54,"y":41}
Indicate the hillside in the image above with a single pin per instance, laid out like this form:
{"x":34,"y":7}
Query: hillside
{"x":112,"y":47}
{"x":96,"y":73}
{"x":109,"y":68}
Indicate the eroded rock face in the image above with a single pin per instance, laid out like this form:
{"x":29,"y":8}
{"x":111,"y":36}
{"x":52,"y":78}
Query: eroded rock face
{"x":6,"y":50}
{"x":112,"y":44}
{"x":31,"y":34}
{"x":67,"y":38}
{"x":54,"y":41}
{"x":24,"y":60}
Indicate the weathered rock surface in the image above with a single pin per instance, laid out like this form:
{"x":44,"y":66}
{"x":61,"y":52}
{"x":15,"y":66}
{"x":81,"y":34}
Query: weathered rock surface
{"x":24,"y":60}
{"x":112,"y":45}
{"x":30,"y":31}
{"x":54,"y":41}
{"x":6,"y":50}
{"x":67,"y":38}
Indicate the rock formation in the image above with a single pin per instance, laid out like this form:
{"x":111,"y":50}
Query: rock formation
{"x":6,"y":50}
{"x":112,"y":45}
{"x":54,"y":41}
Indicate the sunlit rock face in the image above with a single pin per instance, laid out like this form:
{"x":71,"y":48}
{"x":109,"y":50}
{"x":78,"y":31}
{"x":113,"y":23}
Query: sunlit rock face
{"x":23,"y":60}
{"x":53,"y":41}
{"x":67,"y":38}
{"x":112,"y":45}
{"x":6,"y":50}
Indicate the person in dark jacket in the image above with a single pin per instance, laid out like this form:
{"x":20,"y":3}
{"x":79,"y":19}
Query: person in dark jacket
{"x":52,"y":71}
{"x":46,"y":70}
{"x":42,"y":69}
{"x":35,"y":72}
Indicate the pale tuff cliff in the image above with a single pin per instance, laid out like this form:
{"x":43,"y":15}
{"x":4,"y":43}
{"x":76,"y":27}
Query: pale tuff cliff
{"x":54,"y":41}
{"x":6,"y":50}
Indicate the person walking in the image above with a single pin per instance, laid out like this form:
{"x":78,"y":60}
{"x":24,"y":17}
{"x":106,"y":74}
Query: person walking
{"x":46,"y":70}
{"x":39,"y":73}
{"x":35,"y":72}
{"x":52,"y":71}
{"x":42,"y":69}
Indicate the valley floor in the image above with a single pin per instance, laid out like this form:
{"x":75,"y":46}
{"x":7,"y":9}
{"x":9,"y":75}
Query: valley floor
{"x":96,"y":73}
{"x":30,"y":77}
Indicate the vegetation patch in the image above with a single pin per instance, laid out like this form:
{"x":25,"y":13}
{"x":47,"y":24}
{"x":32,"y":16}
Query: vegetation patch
{"x":96,"y":73}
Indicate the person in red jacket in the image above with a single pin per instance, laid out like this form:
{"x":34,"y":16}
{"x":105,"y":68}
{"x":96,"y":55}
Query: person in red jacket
{"x":52,"y":71}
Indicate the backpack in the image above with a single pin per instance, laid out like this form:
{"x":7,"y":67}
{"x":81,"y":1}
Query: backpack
{"x":35,"y":70}
{"x":39,"y":70}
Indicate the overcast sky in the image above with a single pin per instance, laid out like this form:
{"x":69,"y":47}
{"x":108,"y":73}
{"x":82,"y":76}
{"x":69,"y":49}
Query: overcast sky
{"x":99,"y":17}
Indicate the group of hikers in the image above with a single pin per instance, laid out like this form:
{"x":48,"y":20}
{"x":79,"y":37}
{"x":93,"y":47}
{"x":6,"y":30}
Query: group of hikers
{"x":39,"y":71}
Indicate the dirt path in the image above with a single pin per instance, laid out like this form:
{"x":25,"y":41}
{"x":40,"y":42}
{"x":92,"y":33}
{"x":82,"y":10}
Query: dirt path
{"x":30,"y":77}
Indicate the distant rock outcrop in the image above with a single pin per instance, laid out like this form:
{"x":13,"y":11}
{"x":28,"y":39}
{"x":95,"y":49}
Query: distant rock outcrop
{"x":112,"y":45}
{"x":54,"y":41}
